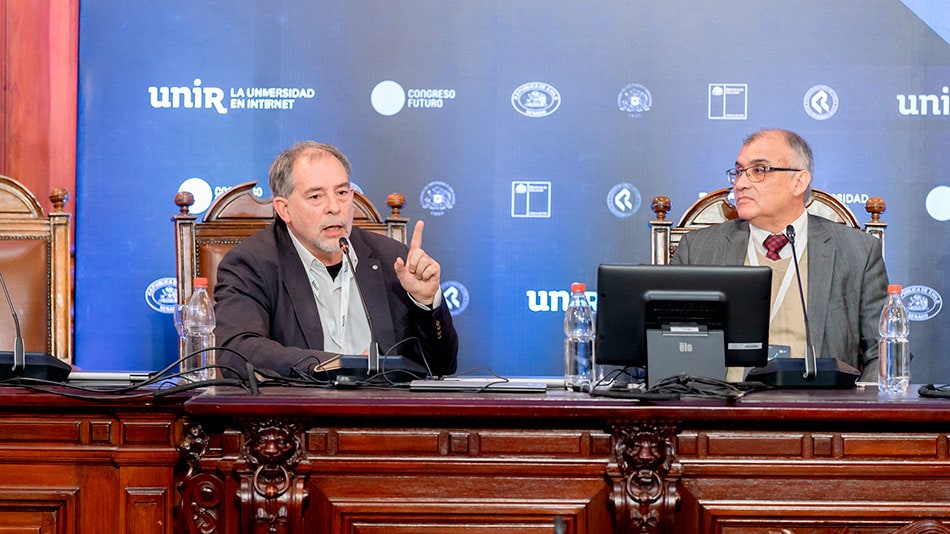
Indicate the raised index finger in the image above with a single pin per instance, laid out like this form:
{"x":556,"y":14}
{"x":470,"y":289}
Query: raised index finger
{"x":416,"y":241}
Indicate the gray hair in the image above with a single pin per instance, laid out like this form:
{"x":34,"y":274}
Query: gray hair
{"x":794,"y":141}
{"x":279,"y":176}
{"x":798,"y":145}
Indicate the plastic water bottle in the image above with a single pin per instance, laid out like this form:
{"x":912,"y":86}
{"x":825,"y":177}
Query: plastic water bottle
{"x":198,"y":324}
{"x":578,"y":340}
{"x":893,"y":348}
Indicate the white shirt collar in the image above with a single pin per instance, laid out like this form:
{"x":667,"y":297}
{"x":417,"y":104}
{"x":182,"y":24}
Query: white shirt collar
{"x":757,"y":236}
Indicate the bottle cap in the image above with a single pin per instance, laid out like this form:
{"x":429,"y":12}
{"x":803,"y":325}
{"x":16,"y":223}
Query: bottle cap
{"x":893,"y":288}
{"x":578,"y":287}
{"x":201,"y":282}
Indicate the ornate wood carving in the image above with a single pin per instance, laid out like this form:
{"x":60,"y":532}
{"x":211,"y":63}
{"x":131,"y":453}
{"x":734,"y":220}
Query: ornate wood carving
{"x":200,"y":493}
{"x":924,"y":527}
{"x":644,"y":474}
{"x":274,"y":497}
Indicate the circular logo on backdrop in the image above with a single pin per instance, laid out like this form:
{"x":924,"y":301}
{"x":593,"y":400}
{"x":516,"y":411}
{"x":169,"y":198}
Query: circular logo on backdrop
{"x":437,"y":197}
{"x":938,"y":203}
{"x":535,"y":99}
{"x":623,"y":200}
{"x":162,"y":295}
{"x":922,"y":302}
{"x":388,"y":98}
{"x":201,"y":191}
{"x":821,"y":102}
{"x":634,"y":100}
{"x":455,"y":296}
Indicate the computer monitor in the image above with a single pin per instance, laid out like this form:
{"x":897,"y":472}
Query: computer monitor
{"x":637,"y":301}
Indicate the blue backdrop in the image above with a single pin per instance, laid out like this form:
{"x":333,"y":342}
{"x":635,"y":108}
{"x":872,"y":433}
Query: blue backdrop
{"x":529,"y":135}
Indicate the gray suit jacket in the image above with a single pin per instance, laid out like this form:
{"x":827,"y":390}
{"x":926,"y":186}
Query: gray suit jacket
{"x":265,"y":309}
{"x":847,"y":283}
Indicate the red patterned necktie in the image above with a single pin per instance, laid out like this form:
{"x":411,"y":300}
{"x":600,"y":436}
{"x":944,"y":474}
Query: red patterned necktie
{"x":774,"y":244}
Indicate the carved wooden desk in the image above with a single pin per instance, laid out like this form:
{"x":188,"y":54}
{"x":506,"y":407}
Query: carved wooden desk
{"x":298,"y":460}
{"x":406,"y":462}
{"x":69,"y":466}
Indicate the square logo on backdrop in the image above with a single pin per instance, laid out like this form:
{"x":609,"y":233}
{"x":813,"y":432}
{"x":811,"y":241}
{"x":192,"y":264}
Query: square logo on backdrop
{"x":530,"y":199}
{"x":728,"y":101}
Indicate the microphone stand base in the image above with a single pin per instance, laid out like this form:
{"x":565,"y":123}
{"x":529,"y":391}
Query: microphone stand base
{"x":372,"y":359}
{"x":788,"y":373}
{"x":37,"y":365}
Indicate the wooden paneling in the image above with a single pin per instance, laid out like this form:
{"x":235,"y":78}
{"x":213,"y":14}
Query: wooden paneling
{"x":70,"y":466}
{"x":365,"y":461}
{"x":38,"y":102}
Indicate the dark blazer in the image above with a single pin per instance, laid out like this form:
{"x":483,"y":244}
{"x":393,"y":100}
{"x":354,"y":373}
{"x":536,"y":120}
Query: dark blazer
{"x":847,"y":283}
{"x":264,"y":305}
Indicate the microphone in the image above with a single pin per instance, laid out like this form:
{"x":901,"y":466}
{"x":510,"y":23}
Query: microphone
{"x":19,"y":355}
{"x":810,"y":357}
{"x":372,"y":362}
{"x":33,"y":365}
{"x":818,"y":372}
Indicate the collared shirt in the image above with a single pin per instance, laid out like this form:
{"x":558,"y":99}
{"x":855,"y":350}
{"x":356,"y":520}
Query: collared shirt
{"x":786,"y":321}
{"x":342,"y":316}
{"x":757,"y":237}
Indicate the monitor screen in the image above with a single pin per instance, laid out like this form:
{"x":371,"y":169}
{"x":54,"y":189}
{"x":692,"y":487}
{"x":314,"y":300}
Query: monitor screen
{"x":635,"y":299}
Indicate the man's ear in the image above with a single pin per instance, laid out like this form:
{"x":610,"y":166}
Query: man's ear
{"x":802,"y":181}
{"x":281,"y":208}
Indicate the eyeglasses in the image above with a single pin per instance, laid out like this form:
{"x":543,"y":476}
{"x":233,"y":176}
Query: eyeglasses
{"x":755,"y":174}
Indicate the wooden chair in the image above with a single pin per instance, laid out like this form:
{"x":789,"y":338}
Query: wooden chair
{"x":35,"y":263}
{"x":236,"y":215}
{"x":716,"y":207}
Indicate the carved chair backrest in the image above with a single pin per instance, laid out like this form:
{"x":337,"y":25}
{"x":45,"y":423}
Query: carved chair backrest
{"x":35,"y":262}
{"x":716,"y":207}
{"x":238,"y":214}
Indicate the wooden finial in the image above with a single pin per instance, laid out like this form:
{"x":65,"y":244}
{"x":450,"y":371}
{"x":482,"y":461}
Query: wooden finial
{"x":395,"y":201}
{"x":58,"y":196}
{"x":660,"y":206}
{"x":875,"y":206}
{"x":184,"y":200}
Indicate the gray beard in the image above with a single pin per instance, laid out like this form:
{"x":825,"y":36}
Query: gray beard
{"x":327,"y":246}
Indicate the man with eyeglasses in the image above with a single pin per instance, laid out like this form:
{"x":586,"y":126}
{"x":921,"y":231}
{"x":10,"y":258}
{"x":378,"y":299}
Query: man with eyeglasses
{"x":842,"y":268}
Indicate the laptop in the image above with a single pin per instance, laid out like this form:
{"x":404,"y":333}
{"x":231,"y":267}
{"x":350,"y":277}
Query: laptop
{"x":107,"y":378}
{"x":486,"y":384}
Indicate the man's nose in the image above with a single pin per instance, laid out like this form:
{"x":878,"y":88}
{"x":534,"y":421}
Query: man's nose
{"x":742,"y":180}
{"x":333,"y":204}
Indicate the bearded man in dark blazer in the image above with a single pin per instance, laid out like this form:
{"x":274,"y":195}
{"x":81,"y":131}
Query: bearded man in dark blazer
{"x":842,"y":268}
{"x":287,"y":300}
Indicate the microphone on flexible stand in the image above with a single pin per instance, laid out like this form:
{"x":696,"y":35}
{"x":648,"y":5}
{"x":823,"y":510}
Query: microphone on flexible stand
{"x":19,"y":355}
{"x":28,"y":365}
{"x":810,"y":356}
{"x":372,"y":359}
{"x":810,"y":371}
